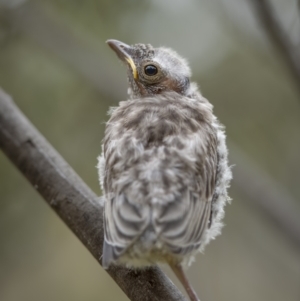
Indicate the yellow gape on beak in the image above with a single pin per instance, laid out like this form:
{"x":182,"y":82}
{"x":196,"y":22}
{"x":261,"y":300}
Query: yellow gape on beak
{"x":123,"y":52}
{"x":133,"y":67}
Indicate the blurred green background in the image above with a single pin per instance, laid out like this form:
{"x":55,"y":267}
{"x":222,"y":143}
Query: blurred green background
{"x":56,"y":65}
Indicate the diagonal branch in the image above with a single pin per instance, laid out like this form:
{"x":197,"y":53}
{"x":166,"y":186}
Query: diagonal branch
{"x":268,"y":19}
{"x":72,"y":200}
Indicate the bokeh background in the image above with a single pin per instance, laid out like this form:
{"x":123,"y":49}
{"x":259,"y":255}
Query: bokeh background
{"x":56,"y":65}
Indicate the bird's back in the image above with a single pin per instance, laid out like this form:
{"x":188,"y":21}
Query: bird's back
{"x":159,"y":169}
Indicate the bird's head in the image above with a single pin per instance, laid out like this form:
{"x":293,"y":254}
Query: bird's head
{"x":152,"y":71}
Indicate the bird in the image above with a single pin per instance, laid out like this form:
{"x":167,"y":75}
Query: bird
{"x":164,"y":167}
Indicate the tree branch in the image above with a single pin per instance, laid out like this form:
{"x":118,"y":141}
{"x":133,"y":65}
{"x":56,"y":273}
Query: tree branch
{"x":268,"y":19}
{"x":72,"y":200}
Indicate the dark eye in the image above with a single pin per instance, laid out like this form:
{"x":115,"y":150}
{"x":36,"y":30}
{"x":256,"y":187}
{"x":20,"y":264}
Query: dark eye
{"x":150,"y":70}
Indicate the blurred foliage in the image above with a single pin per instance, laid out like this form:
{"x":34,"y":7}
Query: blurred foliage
{"x":253,"y":96}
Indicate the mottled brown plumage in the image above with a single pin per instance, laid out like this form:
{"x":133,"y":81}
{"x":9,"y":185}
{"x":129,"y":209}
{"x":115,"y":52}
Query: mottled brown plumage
{"x":163,"y":169}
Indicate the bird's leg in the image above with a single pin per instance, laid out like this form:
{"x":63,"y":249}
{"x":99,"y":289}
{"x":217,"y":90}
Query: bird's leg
{"x":178,"y":271}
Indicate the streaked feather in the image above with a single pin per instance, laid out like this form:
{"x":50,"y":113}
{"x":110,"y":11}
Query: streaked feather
{"x":163,"y":169}
{"x":160,"y":178}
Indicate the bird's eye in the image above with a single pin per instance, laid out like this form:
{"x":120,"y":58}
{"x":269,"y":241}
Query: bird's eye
{"x":150,"y":70}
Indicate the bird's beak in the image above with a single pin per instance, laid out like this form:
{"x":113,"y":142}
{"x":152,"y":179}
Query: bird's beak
{"x":123,"y":52}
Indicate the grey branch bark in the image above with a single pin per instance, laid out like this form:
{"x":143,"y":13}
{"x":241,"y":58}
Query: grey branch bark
{"x":72,"y":200}
{"x":268,"y":19}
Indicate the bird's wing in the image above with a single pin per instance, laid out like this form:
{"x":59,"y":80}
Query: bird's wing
{"x":123,"y":224}
{"x":183,"y":222}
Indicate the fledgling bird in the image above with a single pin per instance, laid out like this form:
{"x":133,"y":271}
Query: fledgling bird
{"x":163,"y":168}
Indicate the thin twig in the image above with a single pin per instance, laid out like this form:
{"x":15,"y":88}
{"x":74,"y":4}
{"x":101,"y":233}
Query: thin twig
{"x":268,"y":19}
{"x":72,"y":200}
